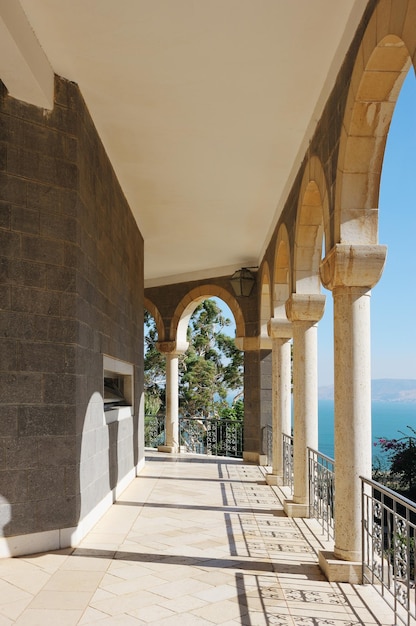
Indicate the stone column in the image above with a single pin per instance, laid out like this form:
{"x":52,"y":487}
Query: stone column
{"x":257,"y":395}
{"x":280,"y":331}
{"x":304,"y":311}
{"x":350,"y":272}
{"x":172,"y":396}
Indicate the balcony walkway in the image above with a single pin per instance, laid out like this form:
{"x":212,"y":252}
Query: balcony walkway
{"x":193,"y":541}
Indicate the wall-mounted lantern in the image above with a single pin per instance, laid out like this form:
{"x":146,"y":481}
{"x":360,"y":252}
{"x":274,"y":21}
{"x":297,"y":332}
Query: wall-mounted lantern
{"x":242,"y":282}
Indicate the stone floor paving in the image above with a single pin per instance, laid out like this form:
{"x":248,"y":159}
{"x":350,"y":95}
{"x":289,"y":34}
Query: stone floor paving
{"x":192,"y":541}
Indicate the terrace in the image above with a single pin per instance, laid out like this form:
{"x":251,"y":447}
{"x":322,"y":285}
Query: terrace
{"x":148,"y":151}
{"x":195,"y":540}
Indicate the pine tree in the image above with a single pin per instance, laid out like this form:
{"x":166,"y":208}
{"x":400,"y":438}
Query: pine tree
{"x":154,"y":369}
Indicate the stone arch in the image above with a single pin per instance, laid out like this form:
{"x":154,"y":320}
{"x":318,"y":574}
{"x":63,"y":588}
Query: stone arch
{"x":154,"y":311}
{"x":382,"y":62}
{"x":188,"y":304}
{"x":281,"y":273}
{"x":266,"y":309}
{"x":312,"y":215}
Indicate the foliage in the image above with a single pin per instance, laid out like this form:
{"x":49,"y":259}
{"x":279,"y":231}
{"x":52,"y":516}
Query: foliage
{"x":233,"y":412}
{"x":154,"y":369}
{"x":212,"y":365}
{"x":401,"y":456}
{"x":211,"y":368}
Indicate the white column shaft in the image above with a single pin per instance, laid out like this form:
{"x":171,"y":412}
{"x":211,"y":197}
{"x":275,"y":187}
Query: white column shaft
{"x":281,"y":400}
{"x":352,"y":407}
{"x":172,"y":402}
{"x":305,"y":404}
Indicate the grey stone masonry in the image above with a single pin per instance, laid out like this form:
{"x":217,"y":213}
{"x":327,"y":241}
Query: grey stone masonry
{"x":71,"y":290}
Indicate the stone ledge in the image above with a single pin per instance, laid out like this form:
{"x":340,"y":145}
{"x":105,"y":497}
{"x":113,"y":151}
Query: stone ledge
{"x":339,"y":571}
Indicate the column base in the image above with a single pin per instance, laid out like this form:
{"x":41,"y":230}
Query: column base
{"x":274,"y":480}
{"x":338,"y":571}
{"x":295,"y":509}
{"x":170,"y":449}
{"x":255,"y":457}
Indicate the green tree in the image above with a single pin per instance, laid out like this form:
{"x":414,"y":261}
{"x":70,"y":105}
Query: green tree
{"x":233,"y":412}
{"x":401,"y":456}
{"x":211,"y":368}
{"x":154,"y":370}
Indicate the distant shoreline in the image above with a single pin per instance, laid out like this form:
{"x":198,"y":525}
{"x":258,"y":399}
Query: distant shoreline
{"x":394,"y":390}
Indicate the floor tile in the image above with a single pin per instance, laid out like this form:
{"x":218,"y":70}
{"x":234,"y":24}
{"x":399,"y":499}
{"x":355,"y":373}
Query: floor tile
{"x":192,"y":541}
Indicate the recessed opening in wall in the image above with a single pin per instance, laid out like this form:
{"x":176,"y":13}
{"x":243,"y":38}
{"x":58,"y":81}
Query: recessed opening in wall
{"x":117,"y":388}
{"x":114,"y":392}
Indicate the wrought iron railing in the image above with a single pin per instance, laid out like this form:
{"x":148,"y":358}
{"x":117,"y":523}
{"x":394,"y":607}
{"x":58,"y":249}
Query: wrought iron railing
{"x":288,"y":461}
{"x":268,"y":443}
{"x":321,"y":490}
{"x":154,"y":431}
{"x":388,"y":533}
{"x":220,"y":437}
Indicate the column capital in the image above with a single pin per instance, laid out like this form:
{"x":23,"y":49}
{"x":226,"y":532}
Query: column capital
{"x":171,"y":348}
{"x":250,"y":344}
{"x":301,"y":307}
{"x":349,"y":265}
{"x":279,"y":328}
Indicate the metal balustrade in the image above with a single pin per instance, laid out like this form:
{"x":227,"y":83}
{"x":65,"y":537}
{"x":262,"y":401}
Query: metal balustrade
{"x":220,"y":437}
{"x":288,"y":461}
{"x":321,"y":490}
{"x":268,"y":443}
{"x":154,"y":431}
{"x":388,"y":535}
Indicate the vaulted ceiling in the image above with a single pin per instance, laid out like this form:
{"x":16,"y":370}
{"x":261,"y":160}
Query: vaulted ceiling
{"x":205,"y":108}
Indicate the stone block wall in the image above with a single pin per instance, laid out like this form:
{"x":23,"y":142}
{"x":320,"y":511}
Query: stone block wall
{"x":257,"y":399}
{"x":71,"y":290}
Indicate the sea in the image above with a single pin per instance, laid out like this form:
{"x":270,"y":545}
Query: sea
{"x":389,"y":420}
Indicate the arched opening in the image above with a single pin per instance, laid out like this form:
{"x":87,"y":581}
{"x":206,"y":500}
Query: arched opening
{"x":373,"y":204}
{"x":393,"y":299}
{"x":369,"y":110}
{"x":208,"y":394}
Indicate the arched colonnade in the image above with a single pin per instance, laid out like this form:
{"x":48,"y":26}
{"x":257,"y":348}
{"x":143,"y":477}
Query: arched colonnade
{"x":327,"y":235}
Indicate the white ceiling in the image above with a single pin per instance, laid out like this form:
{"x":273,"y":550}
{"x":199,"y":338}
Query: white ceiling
{"x":205,"y":108}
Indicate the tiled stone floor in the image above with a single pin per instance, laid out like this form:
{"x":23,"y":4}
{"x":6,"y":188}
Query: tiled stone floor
{"x":193,"y":541}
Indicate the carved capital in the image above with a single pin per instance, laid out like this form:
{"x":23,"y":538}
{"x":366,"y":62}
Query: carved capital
{"x":353,"y":266}
{"x":247,"y":344}
{"x":279,"y":328}
{"x":171,"y":347}
{"x":302,"y":307}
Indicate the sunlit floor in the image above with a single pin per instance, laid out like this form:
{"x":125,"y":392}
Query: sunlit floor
{"x":192,"y":541}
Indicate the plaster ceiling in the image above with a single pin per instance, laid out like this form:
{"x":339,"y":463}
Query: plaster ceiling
{"x":205,"y":108}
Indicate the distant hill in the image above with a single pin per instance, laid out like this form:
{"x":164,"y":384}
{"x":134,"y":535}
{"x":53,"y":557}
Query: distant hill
{"x":382,"y":390}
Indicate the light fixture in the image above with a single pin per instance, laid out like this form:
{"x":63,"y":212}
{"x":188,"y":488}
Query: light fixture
{"x":242,"y":282}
